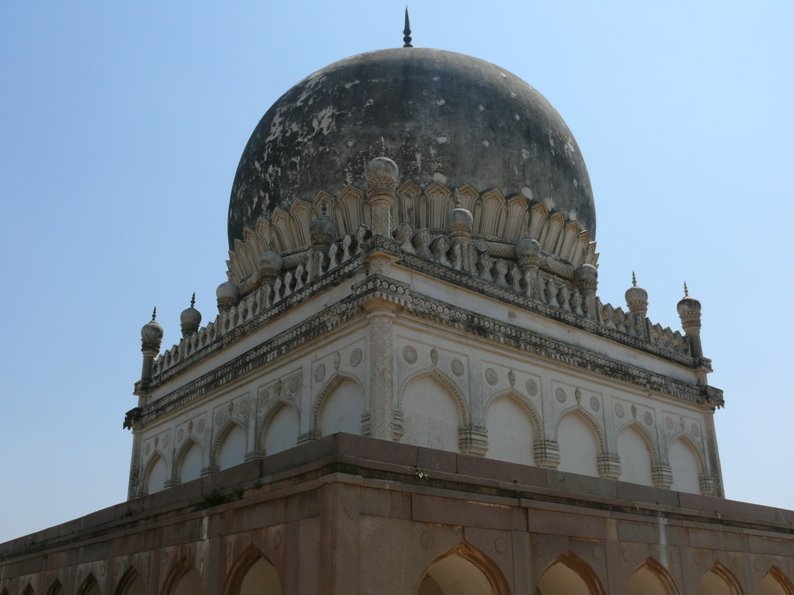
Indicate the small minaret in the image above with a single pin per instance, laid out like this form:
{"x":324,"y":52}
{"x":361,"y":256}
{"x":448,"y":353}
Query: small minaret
{"x":528,"y":256}
{"x":151,"y":340}
{"x":270,"y":265}
{"x":637,"y":301}
{"x":190,"y":319}
{"x":586,"y":277}
{"x":460,"y":222}
{"x":228,"y":296}
{"x":689,"y":312}
{"x":322,"y":231}
{"x":382,"y":174}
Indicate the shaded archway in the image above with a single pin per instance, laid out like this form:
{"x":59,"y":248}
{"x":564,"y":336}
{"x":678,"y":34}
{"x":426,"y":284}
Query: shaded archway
{"x":90,"y":586}
{"x":463,"y":570}
{"x":253,"y":574}
{"x":775,"y":583}
{"x":131,"y":584}
{"x":651,"y":579}
{"x":719,"y":581}
{"x":55,"y":588}
{"x":569,"y":575}
{"x":28,"y":590}
{"x":184,"y":579}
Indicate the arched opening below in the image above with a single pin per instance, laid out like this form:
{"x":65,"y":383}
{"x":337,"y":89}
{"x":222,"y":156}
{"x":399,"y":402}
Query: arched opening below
{"x":133,"y":585}
{"x":772,"y":585}
{"x":430,"y":415}
{"x":232,"y":449}
{"x":455,"y":575}
{"x":90,"y":587}
{"x":714,"y":584}
{"x":282,"y":430}
{"x":685,"y":467}
{"x":342,"y":410}
{"x":578,"y":446}
{"x":261,"y":579}
{"x":646,"y":581}
{"x":55,"y":588}
{"x":510,"y":432}
{"x":635,"y":458}
{"x":190,"y":467}
{"x":155,"y":479}
{"x":569,"y":577}
{"x":190,"y":584}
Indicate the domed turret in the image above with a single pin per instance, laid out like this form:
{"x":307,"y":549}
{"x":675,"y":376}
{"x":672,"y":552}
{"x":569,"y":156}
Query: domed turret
{"x":637,"y":298}
{"x":190,"y":319}
{"x":152,"y":334}
{"x":270,"y":265}
{"x":440,"y":115}
{"x":322,"y":230}
{"x":228,"y":296}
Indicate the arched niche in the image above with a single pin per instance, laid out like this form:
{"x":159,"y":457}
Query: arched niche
{"x":635,"y":455}
{"x":89,"y":587}
{"x":569,"y":575}
{"x":463,"y":571}
{"x":253,"y":574}
{"x":281,"y":429}
{"x":718,"y":581}
{"x":230,"y":450}
{"x":651,"y":579}
{"x":55,"y":588}
{"x":579,"y":445}
{"x":156,"y":474}
{"x":189,"y":462}
{"x":685,"y":466}
{"x":512,"y":429}
{"x":431,"y":414}
{"x":340,"y":407}
{"x":130,"y":584}
{"x":775,"y":583}
{"x":28,"y":590}
{"x":183,"y":579}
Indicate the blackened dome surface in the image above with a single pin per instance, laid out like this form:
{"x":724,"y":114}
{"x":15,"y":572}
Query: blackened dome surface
{"x":433,"y":112}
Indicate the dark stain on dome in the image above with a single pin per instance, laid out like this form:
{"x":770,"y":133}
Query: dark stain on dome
{"x":431,"y":111}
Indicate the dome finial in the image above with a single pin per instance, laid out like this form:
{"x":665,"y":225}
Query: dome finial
{"x":633,"y":279}
{"x":686,"y":290}
{"x":154,"y":314}
{"x":193,"y":300}
{"x":407,"y":31}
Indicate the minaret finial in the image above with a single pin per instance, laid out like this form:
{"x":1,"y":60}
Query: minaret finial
{"x":407,"y":31}
{"x":633,"y":279}
{"x":154,"y":313}
{"x":456,"y":194}
{"x":686,"y":290}
{"x":193,"y":300}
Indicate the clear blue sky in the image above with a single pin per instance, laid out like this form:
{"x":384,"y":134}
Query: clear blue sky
{"x":121,"y":124}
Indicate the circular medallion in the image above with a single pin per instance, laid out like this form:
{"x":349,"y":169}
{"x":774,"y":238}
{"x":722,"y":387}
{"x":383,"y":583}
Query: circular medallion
{"x":319,"y":373}
{"x":426,"y":539}
{"x":648,"y":418}
{"x":619,"y":410}
{"x":409,"y":354}
{"x":532,"y":388}
{"x":355,"y":357}
{"x":490,"y":376}
{"x":560,"y":395}
{"x":457,"y":367}
{"x":500,"y":545}
{"x":595,"y":404}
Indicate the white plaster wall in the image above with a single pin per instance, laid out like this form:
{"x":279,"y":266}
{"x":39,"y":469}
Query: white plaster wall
{"x":510,"y":432}
{"x":578,"y":446}
{"x":685,"y":467}
{"x":157,"y":476}
{"x":282,"y":430}
{"x":342,"y":409}
{"x":430,"y":415}
{"x":231,"y":451}
{"x":190,"y":468}
{"x":635,"y":458}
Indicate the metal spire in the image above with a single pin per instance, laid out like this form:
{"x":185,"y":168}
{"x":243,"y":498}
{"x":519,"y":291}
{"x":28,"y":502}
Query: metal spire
{"x":193,"y":300}
{"x":407,"y":31}
{"x":633,"y":279}
{"x":686,"y":290}
{"x":456,"y":194}
{"x":154,"y":313}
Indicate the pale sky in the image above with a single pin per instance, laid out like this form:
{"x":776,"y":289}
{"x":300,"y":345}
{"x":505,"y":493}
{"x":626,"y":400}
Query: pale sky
{"x":121,"y":125}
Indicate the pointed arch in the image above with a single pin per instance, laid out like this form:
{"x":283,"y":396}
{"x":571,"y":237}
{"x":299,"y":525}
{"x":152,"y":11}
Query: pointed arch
{"x":568,"y":574}
{"x":55,"y":588}
{"x":631,"y":440}
{"x":594,"y":424}
{"x":28,"y":590}
{"x":328,"y":393}
{"x":463,"y":570}
{"x":252,"y":567}
{"x":651,"y":578}
{"x":686,"y":463}
{"x":155,"y":472}
{"x":580,"y":442}
{"x":280,"y":427}
{"x":130,"y":584}
{"x":513,"y":425}
{"x":719,"y":581}
{"x":90,"y":586}
{"x":775,"y":582}
{"x":229,"y":429}
{"x":433,"y":411}
{"x":184,"y":467}
{"x":183,"y":579}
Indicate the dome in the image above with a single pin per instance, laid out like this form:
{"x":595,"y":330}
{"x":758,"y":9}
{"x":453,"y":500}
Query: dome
{"x":439,"y":115}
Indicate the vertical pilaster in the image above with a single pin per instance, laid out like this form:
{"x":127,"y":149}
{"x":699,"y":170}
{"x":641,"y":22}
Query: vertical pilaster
{"x":381,"y":368}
